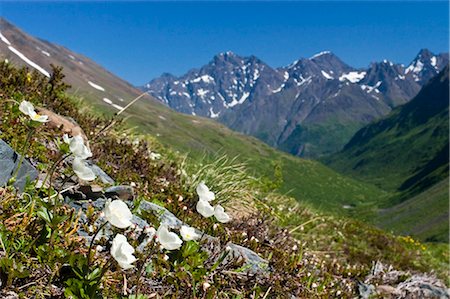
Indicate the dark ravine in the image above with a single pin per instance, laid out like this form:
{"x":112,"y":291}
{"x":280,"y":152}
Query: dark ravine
{"x":292,"y":107}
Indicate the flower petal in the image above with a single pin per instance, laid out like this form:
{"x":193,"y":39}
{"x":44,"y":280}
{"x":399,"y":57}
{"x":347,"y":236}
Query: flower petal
{"x":204,"y":193}
{"x":168,"y":240}
{"x":82,"y":171}
{"x":39,"y":118}
{"x":122,"y":252}
{"x":26,"y":107}
{"x":189,"y":233}
{"x":118,"y":214}
{"x":220,"y":214}
{"x":204,"y":208}
{"x":78,"y":148}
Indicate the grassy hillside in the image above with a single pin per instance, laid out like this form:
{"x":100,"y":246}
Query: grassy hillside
{"x":408,"y":217}
{"x":308,"y":254}
{"x":407,"y":153}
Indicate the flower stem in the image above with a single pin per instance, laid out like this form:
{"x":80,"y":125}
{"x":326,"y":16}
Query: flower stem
{"x":24,"y":151}
{"x":142,"y":268}
{"x":92,"y":243}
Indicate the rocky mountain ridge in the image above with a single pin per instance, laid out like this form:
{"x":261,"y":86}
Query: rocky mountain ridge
{"x":286,"y":107}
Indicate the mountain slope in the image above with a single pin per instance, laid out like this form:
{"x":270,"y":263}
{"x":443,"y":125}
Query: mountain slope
{"x":407,"y":153}
{"x":291,"y":107}
{"x":305,"y":180}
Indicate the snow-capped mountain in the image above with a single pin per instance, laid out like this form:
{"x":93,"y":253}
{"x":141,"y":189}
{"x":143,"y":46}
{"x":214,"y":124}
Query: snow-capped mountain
{"x":226,"y":82}
{"x":290,"y":107}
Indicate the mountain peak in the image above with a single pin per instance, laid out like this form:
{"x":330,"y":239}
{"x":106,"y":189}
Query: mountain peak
{"x":320,"y":54}
{"x":425,"y":54}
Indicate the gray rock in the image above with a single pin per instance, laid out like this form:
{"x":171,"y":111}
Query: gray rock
{"x":400,"y":284}
{"x":164,"y":216}
{"x":253,"y":263}
{"x":121,"y":191}
{"x":365,"y":290}
{"x":9,"y":161}
{"x":106,"y":179}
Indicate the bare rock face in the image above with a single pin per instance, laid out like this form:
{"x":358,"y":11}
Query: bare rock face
{"x":9,"y":161}
{"x":387,"y":282}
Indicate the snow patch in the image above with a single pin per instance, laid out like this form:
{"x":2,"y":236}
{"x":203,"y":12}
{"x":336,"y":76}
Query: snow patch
{"x":96,"y":86}
{"x":212,"y":114}
{"x":255,"y":75}
{"x":415,"y":68}
{"x":369,"y":88}
{"x":433,"y":61}
{"x":107,"y":101}
{"x":45,"y":53}
{"x":4,"y":39}
{"x":278,"y":89}
{"x":204,"y":78}
{"x":320,"y":54}
{"x":28,"y":61}
{"x":387,"y":62}
{"x":326,"y":75}
{"x":241,"y":100}
{"x":202,"y":92}
{"x":353,"y":77}
{"x":286,"y":76}
{"x":161,"y":117}
{"x":118,"y":107}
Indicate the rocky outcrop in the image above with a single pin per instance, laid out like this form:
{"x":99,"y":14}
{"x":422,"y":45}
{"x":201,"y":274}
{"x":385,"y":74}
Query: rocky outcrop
{"x":229,"y":252}
{"x":9,"y":161}
{"x":387,"y":282}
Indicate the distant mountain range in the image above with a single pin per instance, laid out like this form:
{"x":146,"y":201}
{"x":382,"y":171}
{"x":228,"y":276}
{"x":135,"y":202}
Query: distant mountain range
{"x":310,"y":108}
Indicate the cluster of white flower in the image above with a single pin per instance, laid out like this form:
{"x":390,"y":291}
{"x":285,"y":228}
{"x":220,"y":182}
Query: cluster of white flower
{"x":81,"y":152}
{"x":205,"y":196}
{"x":119,"y":215}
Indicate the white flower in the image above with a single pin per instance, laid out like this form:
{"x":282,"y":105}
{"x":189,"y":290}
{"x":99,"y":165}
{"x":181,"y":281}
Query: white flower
{"x":155,"y":156}
{"x":204,"y":208}
{"x":28,"y":109}
{"x":118,"y":214}
{"x":122,"y":252}
{"x":189,"y":233}
{"x":82,"y":170}
{"x":77,"y":147}
{"x":168,"y":240}
{"x":204,"y":193}
{"x":220,"y":214}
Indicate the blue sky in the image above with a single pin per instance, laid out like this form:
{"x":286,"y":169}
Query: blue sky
{"x":140,"y":40}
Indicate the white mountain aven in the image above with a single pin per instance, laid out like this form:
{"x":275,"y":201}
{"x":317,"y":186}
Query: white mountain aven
{"x":118,"y":214}
{"x":205,"y":208}
{"x":189,"y":233}
{"x":221,"y":216}
{"x":204,"y":193}
{"x":83,"y":171}
{"x":28,"y":109}
{"x":122,"y":252}
{"x":168,"y":240}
